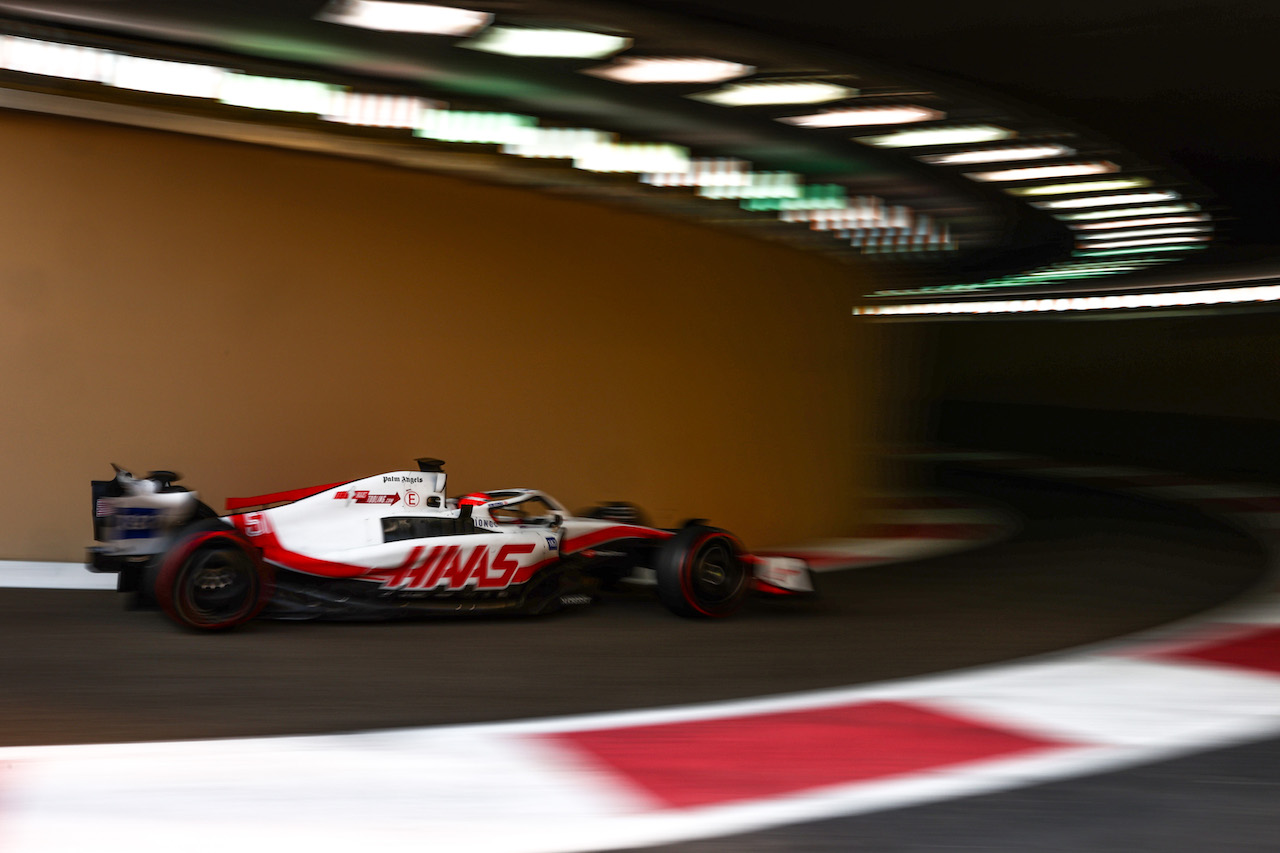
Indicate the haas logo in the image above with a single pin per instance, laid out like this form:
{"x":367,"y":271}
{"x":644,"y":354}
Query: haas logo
{"x":454,"y":567}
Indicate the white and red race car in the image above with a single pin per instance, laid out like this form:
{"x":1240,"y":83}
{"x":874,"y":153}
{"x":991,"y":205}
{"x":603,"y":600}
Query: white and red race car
{"x":393,"y":545}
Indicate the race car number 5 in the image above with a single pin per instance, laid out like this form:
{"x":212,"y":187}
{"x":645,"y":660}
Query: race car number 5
{"x":255,"y":524}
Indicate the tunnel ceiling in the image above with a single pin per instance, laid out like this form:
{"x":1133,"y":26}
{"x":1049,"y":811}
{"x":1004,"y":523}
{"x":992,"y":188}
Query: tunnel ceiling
{"x":1172,"y":100}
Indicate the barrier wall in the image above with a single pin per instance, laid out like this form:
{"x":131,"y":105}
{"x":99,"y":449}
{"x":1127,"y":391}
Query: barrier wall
{"x":262,"y":320}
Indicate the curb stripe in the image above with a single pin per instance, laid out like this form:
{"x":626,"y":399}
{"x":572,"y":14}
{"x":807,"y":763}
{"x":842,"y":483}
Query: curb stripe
{"x":766,"y":755}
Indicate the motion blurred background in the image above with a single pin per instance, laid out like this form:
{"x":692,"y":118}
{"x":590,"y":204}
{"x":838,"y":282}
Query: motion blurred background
{"x":715,"y":258}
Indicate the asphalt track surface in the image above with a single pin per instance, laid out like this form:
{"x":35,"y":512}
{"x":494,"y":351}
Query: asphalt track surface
{"x":1087,"y":566}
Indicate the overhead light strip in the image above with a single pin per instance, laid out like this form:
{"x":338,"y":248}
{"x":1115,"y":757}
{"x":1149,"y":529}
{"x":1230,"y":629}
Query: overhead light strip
{"x":1120,"y":234}
{"x":979,"y":156}
{"x":670,"y":69}
{"x":768,"y":92}
{"x":600,"y":151}
{"x":1036,"y":173}
{"x":547,"y":43}
{"x":939,"y":136}
{"x":1107,"y":200}
{"x":1081,"y":187}
{"x":1171,"y":299}
{"x":865,"y":117}
{"x":1116,"y":224}
{"x":1147,"y":241}
{"x":404,"y":17}
{"x":1123,"y":212}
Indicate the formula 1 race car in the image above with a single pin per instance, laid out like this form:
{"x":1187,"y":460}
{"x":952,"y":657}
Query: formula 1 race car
{"x":392,"y":545}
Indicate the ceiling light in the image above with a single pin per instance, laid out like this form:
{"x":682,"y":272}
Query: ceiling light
{"x":863,"y":211}
{"x":474,"y":127}
{"x":1172,"y":299}
{"x":633,"y":157}
{"x":1151,"y":241}
{"x":1081,"y":187}
{"x":1033,"y":173}
{"x":277,"y":93}
{"x":51,"y":59}
{"x":1113,"y":234}
{"x":369,"y":110}
{"x":557,"y":142}
{"x":1107,"y":200}
{"x":776,"y":92}
{"x":758,"y":185}
{"x":656,"y":69}
{"x":1140,"y":223}
{"x":166,"y":78}
{"x":704,"y":172}
{"x":404,"y":17}
{"x":1155,"y":210}
{"x":998,"y":155}
{"x":521,"y":41}
{"x":1133,"y":250}
{"x":865,"y":116}
{"x":810,"y":197}
{"x":959,"y":135}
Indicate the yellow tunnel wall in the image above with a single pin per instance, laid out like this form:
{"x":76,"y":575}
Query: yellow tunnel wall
{"x":261,"y":320}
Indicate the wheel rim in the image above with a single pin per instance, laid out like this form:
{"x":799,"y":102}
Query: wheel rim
{"x":716,"y":576}
{"x":219,"y":583}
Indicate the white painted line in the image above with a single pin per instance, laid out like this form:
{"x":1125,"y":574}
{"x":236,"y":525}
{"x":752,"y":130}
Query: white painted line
{"x":25,"y":574}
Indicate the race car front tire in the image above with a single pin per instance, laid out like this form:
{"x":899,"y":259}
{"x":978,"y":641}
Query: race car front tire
{"x":701,"y":573}
{"x":212,"y":579}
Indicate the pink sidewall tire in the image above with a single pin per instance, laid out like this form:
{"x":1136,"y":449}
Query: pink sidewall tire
{"x":213,"y":579}
{"x":701,"y":573}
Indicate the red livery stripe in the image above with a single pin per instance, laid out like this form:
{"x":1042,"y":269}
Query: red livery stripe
{"x":610,"y":534}
{"x":290,"y":496}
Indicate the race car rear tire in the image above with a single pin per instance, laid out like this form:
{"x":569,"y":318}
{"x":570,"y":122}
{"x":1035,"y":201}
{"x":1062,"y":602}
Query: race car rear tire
{"x":213,"y":579}
{"x":701,"y":573}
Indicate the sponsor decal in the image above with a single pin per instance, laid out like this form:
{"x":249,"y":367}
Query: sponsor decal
{"x":457,"y":567}
{"x":137,"y":522}
{"x":364,"y":497}
{"x":255,"y":524}
{"x":486,"y":523}
{"x":396,"y":478}
{"x":552,"y":544}
{"x":785,"y":573}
